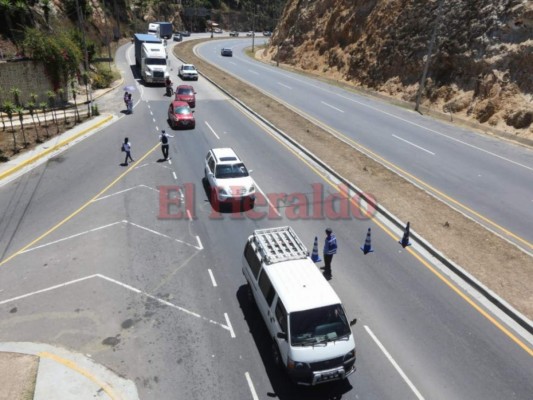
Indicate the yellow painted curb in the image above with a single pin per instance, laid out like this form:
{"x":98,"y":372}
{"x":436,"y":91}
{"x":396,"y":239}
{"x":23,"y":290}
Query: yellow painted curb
{"x":73,"y":366}
{"x":53,"y":148}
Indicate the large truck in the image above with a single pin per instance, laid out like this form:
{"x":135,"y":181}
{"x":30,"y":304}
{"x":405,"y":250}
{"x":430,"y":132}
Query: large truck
{"x":165,"y":30}
{"x":162,"y":30}
{"x":151,"y":58}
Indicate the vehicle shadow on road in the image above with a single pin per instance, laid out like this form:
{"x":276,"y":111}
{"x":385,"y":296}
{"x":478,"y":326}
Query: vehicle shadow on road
{"x":284,"y":388}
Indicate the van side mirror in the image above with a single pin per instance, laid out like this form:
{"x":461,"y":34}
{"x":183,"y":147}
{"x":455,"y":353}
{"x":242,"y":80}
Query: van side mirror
{"x":353,"y":322}
{"x":281,"y":335}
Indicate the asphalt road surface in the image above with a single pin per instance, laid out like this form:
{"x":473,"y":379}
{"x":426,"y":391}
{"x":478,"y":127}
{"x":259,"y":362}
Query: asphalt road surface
{"x":484,"y":177}
{"x":93,"y":260}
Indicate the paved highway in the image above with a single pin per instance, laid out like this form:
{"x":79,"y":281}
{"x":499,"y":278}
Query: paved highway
{"x":484,"y":177}
{"x":91,"y":263}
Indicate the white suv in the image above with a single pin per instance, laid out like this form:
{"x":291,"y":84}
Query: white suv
{"x":227,"y":176}
{"x":188,"y":71}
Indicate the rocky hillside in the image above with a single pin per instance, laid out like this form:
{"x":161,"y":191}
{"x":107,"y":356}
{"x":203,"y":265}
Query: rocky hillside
{"x":481,"y":66}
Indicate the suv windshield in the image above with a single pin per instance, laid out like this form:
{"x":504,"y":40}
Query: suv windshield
{"x":231,"y":171}
{"x":319,"y":325}
{"x":182,"y":110}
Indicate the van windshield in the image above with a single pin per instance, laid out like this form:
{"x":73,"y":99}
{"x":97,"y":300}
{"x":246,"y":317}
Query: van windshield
{"x":319,"y":325}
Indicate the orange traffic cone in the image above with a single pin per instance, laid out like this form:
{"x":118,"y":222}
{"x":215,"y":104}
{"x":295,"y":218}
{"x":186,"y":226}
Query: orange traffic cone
{"x":367,"y":248}
{"x":314,"y":256}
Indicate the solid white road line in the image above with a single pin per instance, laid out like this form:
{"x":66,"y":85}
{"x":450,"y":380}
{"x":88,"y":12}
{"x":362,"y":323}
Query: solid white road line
{"x":394,"y":364}
{"x":71,"y":237}
{"x":200,"y":247}
{"x":251,"y":386}
{"x":212,"y":277}
{"x":47,"y":289}
{"x":212,"y":130}
{"x":232,"y":333}
{"x":412,"y":144}
{"x":329,"y":105}
{"x":131,"y":288}
{"x":124,"y":191}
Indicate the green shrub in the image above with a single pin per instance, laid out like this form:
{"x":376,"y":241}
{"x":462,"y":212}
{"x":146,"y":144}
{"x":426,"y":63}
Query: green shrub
{"x":103,"y":77}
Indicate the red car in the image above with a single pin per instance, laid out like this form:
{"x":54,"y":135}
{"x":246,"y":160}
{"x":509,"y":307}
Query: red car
{"x":181,"y":115}
{"x":186,"y":93}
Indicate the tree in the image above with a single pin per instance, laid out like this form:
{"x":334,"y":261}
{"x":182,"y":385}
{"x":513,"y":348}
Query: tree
{"x":45,"y":5}
{"x":31,"y":108}
{"x":51,"y":103}
{"x":20,"y":111}
{"x":61,"y":94}
{"x":33,"y":100}
{"x":9,"y":108}
{"x":16,"y":95}
{"x":6,"y":10}
{"x":59,"y":53}
{"x":74,"y":95}
{"x":43,"y":107}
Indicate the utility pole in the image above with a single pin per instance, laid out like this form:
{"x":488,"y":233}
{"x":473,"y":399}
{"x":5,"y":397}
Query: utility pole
{"x":428,"y":57}
{"x":107,"y":40}
{"x":253,"y":28}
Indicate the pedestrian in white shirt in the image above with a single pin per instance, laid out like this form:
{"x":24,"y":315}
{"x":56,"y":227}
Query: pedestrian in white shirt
{"x":126,"y":147}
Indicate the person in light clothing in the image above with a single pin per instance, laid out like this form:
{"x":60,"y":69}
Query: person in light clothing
{"x":126,"y":147}
{"x":330,"y":248}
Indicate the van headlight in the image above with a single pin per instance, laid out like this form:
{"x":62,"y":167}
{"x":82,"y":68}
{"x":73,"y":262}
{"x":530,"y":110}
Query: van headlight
{"x":295,"y":365}
{"x":349,"y":356}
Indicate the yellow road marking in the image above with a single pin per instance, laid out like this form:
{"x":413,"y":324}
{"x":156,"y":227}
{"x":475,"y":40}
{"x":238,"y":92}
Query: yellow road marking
{"x":83,"y":207}
{"x":503,"y":329}
{"x":67,"y":363}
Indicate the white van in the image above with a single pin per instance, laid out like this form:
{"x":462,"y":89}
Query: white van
{"x":309,"y":328}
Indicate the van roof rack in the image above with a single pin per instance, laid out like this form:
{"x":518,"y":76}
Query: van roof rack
{"x":279,"y":244}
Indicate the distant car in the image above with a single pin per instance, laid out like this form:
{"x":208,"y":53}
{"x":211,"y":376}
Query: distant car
{"x":250,"y":33}
{"x":267,"y":33}
{"x":177,"y":37}
{"x":188,"y":71}
{"x":184,"y":33}
{"x":234,"y":33}
{"x":217,"y":30}
{"x":180,"y":115}
{"x":187,"y":94}
{"x":226,"y":52}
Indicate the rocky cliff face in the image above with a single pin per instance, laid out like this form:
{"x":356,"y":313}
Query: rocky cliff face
{"x":481,"y":65}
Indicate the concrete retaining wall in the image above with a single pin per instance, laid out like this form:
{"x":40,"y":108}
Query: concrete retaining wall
{"x":27,"y":76}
